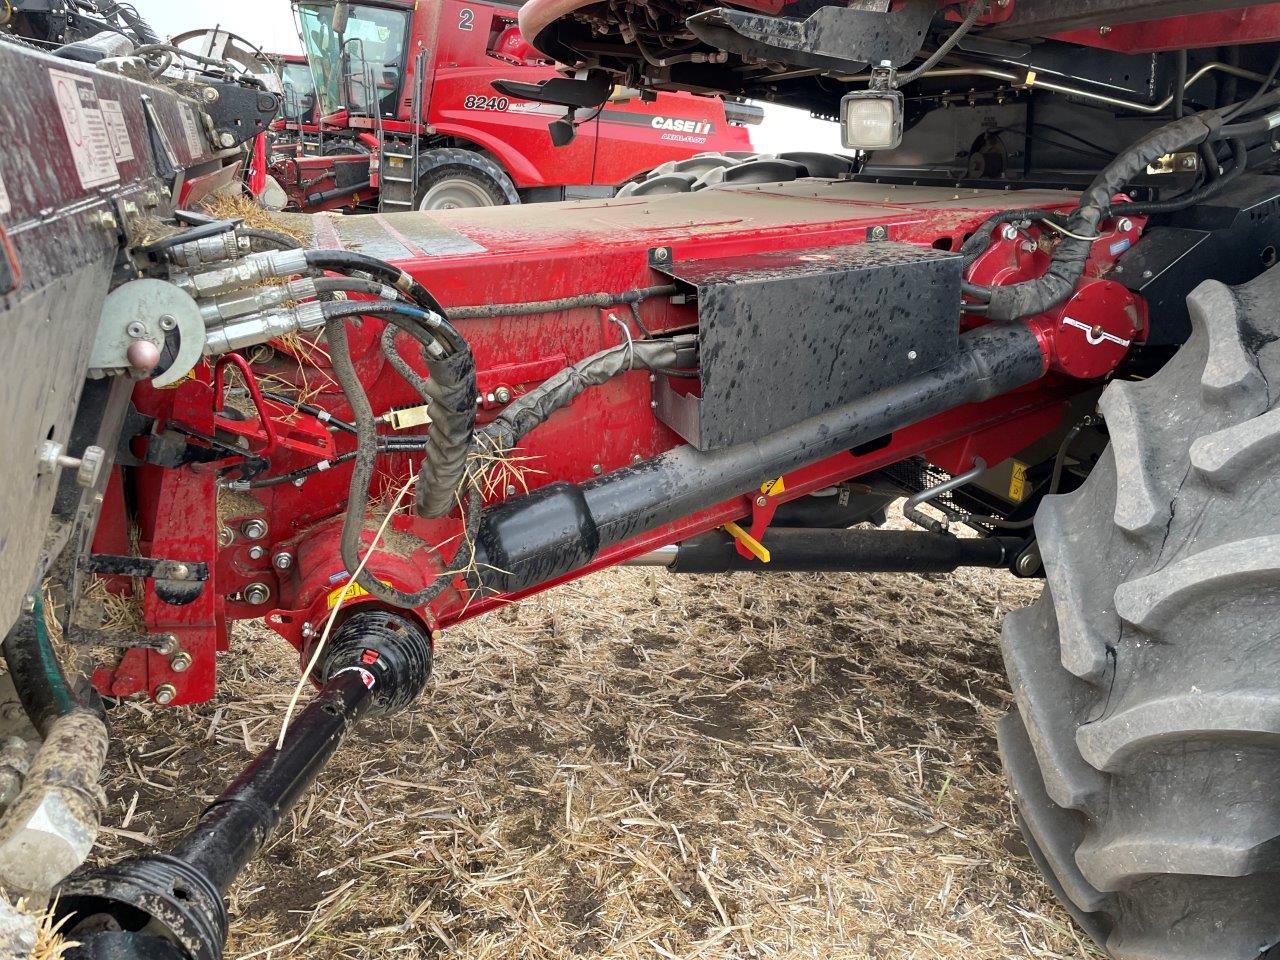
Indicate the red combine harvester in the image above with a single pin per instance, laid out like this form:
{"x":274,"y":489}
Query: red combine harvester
{"x":394,"y":109}
{"x":1042,"y":305}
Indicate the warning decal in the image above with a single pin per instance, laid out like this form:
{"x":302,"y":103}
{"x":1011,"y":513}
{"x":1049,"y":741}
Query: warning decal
{"x":191,"y":129}
{"x":117,"y":130}
{"x":86,"y":129}
{"x":5,"y":206}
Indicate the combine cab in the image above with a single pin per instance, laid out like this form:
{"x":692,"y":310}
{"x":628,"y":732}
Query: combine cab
{"x":1038,"y":302}
{"x":401,"y":113}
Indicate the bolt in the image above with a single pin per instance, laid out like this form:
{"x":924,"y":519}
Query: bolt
{"x":1125,"y":225}
{"x":210,"y":94}
{"x":137,"y":329}
{"x":1104,"y":31}
{"x":762,"y":501}
{"x":511,"y":489}
{"x":661,"y":254}
{"x":1028,"y":563}
{"x":880,"y":233}
{"x":226,"y":537}
{"x":254,"y":529}
{"x":911,"y":355}
{"x":1275,"y":146}
{"x":257,"y":552}
{"x":226,"y":140}
{"x":636,"y":458}
{"x":1030,"y":247}
{"x":490,"y":398}
{"x":181,"y":662}
{"x":165,"y":694}
{"x":282,"y":561}
{"x":257,"y":594}
{"x":308,"y":631}
{"x":502,"y":395}
{"x":1147,"y":274}
{"x":168,"y":322}
{"x":181,"y":571}
{"x":1010,"y":232}
{"x":168,"y":644}
{"x":597,"y":469}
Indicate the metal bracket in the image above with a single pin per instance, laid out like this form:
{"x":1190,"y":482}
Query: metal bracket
{"x":834,"y":38}
{"x":137,"y":320}
{"x":660,"y":258}
{"x":177,"y":582}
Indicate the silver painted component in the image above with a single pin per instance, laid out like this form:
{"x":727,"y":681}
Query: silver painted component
{"x":50,"y":828}
{"x":254,"y":529}
{"x":180,"y":662}
{"x":165,"y":694}
{"x":239,"y":303}
{"x":251,"y":331}
{"x":911,"y":508}
{"x":257,"y":593}
{"x":215,"y":249}
{"x":145,"y":312}
{"x":257,"y":552}
{"x":661,"y":557}
{"x":248,"y":272}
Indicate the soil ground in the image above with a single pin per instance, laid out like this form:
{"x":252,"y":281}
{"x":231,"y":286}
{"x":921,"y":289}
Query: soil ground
{"x":639,"y":765}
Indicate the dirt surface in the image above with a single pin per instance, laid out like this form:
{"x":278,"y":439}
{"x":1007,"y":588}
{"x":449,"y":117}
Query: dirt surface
{"x":640,"y":766}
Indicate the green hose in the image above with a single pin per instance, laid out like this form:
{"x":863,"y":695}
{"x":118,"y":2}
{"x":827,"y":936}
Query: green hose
{"x":37,"y":675}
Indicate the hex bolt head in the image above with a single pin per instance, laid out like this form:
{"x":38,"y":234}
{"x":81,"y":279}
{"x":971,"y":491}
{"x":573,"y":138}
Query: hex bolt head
{"x":1010,"y":232}
{"x":226,"y":537}
{"x":762,"y":501}
{"x":257,"y":593}
{"x":210,"y":94}
{"x":1125,"y":225}
{"x":180,"y":662}
{"x":256,"y":552}
{"x":254,"y":529}
{"x":282,"y":561}
{"x":502,"y":395}
{"x":165,"y":694}
{"x":226,"y":140}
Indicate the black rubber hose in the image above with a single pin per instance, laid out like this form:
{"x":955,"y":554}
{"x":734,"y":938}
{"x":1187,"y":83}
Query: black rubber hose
{"x":599,"y":300}
{"x":373,"y":288}
{"x":971,"y":17}
{"x":37,"y":675}
{"x":1206,"y":192}
{"x":345,"y":261}
{"x":274,"y":237}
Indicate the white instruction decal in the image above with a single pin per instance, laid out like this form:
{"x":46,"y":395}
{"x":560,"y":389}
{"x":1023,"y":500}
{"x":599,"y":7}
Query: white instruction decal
{"x":5,"y":205}
{"x":117,"y":130}
{"x":86,"y":130}
{"x":191,"y":128}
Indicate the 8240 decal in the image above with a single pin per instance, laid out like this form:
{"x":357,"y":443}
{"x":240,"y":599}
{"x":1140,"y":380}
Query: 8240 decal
{"x":477,"y":102}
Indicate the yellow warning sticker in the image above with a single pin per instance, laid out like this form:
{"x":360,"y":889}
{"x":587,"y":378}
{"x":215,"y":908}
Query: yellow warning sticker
{"x":1018,"y":482}
{"x":352,"y":591}
{"x":773,"y":487}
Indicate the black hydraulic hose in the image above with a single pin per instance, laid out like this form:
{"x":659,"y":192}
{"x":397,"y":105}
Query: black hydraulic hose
{"x":597,"y":300}
{"x":324,"y":196}
{"x":1059,"y":282}
{"x":275,"y":238}
{"x":328,"y":285}
{"x":971,"y":17}
{"x":1206,"y":192}
{"x":362,"y":476}
{"x":37,"y":675}
{"x":346,"y":261}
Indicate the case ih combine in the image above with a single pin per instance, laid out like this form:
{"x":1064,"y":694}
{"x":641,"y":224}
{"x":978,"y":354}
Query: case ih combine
{"x":397,"y":110}
{"x":1060,"y":208}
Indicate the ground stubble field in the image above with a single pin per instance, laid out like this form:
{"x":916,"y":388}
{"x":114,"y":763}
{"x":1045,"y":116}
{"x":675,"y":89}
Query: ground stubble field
{"x":640,"y":765}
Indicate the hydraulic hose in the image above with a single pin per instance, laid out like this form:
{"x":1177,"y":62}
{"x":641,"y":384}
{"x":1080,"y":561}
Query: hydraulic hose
{"x":37,"y":675}
{"x":345,"y":261}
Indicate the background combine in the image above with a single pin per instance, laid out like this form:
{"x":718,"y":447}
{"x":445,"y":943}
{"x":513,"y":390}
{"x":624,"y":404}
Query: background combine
{"x":1035,"y":302}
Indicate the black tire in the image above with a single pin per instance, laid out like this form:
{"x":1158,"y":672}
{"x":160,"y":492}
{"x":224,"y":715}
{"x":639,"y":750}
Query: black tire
{"x":704,"y":170}
{"x":453,"y":179}
{"x":1145,"y":750}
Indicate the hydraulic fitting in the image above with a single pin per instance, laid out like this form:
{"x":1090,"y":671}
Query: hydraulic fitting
{"x":251,"y":331}
{"x":248,"y":272}
{"x":239,"y":303}
{"x":215,"y":249}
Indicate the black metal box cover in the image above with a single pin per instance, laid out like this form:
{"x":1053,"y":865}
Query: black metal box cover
{"x":787,"y":335}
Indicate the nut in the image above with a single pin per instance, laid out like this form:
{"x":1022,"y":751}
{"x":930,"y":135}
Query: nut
{"x":257,"y":552}
{"x":210,"y":94}
{"x":762,"y":501}
{"x":226,"y":537}
{"x":1010,"y":232}
{"x":181,"y":662}
{"x":257,"y":593}
{"x":165,"y":694}
{"x":282,"y":561}
{"x":1125,"y":225}
{"x":226,"y":140}
{"x":254,"y":529}
{"x":502,"y":395}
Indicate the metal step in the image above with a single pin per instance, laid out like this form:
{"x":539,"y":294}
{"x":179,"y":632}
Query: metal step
{"x":390,"y":179}
{"x":402,"y":156}
{"x":387,"y":201}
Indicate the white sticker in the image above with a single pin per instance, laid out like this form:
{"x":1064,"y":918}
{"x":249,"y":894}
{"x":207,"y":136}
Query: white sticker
{"x":191,"y":128}
{"x":5,"y":205}
{"x":86,"y":130}
{"x":117,"y":130}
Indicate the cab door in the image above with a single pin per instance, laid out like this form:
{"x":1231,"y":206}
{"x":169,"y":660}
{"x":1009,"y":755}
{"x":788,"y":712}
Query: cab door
{"x":480,"y":43}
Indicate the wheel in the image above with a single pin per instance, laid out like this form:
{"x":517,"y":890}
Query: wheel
{"x":1144,"y":753}
{"x":457,"y":179}
{"x":704,"y":170}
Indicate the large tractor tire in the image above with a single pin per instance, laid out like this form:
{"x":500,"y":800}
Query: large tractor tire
{"x":704,"y":170}
{"x":455,"y":179}
{"x":1144,"y":753}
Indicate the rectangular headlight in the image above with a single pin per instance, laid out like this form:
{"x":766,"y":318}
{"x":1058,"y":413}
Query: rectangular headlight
{"x":871,"y":120}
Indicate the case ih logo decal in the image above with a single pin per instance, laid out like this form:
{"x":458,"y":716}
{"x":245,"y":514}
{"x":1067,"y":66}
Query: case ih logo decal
{"x":702,"y":128}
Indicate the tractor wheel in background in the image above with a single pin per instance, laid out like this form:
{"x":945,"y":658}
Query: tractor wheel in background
{"x":709,"y":169}
{"x":1144,"y":753}
{"x":451,"y":179}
